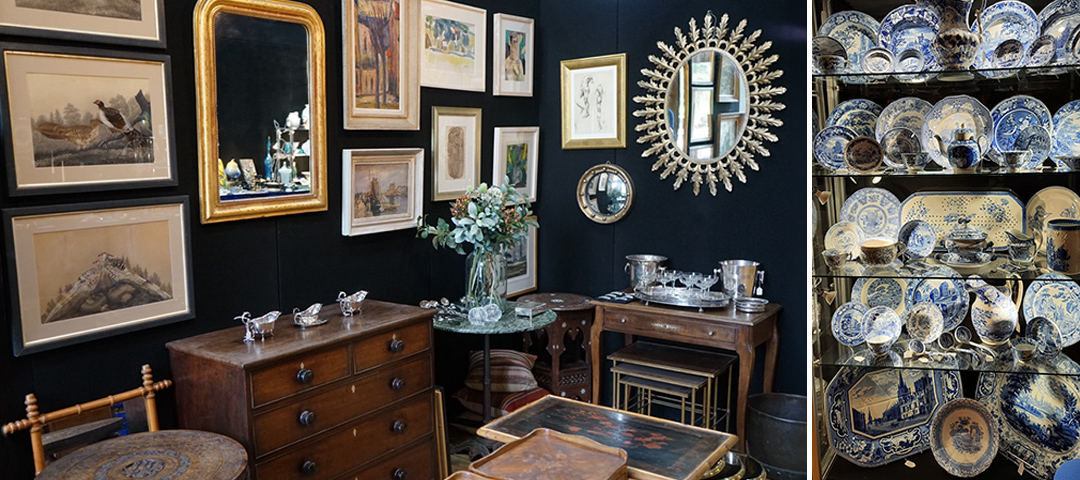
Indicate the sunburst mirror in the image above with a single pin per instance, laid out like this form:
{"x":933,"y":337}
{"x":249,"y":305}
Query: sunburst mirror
{"x":709,"y":104}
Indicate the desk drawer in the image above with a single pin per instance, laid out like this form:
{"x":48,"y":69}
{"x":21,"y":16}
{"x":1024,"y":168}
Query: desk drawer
{"x":387,"y":347}
{"x":350,"y":447}
{"x":668,"y":327}
{"x":414,"y":463}
{"x":303,"y":418}
{"x":298,"y":374}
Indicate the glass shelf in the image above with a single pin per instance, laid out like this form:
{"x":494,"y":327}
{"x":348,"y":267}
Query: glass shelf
{"x":819,"y":171}
{"x":945,"y":78}
{"x":999,"y":268}
{"x":1004,"y":360}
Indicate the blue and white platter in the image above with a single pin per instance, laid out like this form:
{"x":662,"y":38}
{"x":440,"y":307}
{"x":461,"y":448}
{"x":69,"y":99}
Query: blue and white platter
{"x":950,"y":114}
{"x":943,"y":287}
{"x":964,"y":437}
{"x":878,"y":416}
{"x":1038,"y":416}
{"x":1005,"y":137}
{"x":829,"y":146}
{"x":1010,"y":19}
{"x":875,"y":210}
{"x":883,"y":291}
{"x":1067,"y":130}
{"x":847,"y":323}
{"x":858,"y":114}
{"x":846,"y":237}
{"x":910,"y":27}
{"x":919,"y":237}
{"x":993,"y":212}
{"x":907,"y":112}
{"x":856,"y":31}
{"x":1056,"y":297}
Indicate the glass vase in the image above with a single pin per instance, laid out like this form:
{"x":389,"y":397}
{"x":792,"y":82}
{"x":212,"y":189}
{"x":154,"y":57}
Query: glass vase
{"x":486,"y":278}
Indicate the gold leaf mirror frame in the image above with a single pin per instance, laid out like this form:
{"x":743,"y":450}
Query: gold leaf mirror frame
{"x":212,"y":208}
{"x":754,"y":65}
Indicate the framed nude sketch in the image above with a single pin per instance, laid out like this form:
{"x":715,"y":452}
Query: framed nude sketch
{"x":455,"y":151}
{"x":594,"y":102}
{"x":513,"y":56}
{"x":381,"y":64}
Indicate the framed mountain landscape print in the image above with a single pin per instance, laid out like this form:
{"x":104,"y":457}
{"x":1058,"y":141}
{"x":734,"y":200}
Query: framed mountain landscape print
{"x":382,"y":64}
{"x":454,"y":52}
{"x":125,"y":22}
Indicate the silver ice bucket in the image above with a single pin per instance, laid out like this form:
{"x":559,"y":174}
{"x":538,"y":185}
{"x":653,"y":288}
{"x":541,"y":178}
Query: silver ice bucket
{"x":741,"y":278}
{"x":642,"y":269}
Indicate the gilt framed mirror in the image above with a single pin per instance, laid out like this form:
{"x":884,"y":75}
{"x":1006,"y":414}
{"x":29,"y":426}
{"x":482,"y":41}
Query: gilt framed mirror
{"x":605,"y":193}
{"x":260,"y":85}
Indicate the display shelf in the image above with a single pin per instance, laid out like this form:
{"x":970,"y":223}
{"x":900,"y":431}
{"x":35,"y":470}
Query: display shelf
{"x":1005,"y":360}
{"x":925,"y":468}
{"x":1000,"y":268}
{"x":950,"y":78}
{"x":937,"y":173}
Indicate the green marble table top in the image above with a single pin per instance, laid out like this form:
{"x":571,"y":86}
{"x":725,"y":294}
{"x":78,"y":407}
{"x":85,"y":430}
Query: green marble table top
{"x":509,"y":323}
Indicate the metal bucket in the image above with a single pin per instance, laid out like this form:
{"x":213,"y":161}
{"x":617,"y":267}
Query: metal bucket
{"x":740,"y":278}
{"x":776,"y":433}
{"x":642,"y":269}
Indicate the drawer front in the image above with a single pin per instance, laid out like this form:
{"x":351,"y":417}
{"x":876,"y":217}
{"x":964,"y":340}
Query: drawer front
{"x":309,"y":416}
{"x":408,"y":464}
{"x":297,"y":374}
{"x":350,"y":447}
{"x":670,"y":327}
{"x":387,"y":347}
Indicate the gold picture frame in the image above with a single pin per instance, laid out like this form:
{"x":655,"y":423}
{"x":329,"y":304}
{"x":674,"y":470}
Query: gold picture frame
{"x":589,"y":87}
{"x":455,"y":151}
{"x":370,"y":102}
{"x":381,"y":189}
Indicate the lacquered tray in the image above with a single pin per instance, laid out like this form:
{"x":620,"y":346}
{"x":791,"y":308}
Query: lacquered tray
{"x":546,"y":454}
{"x":682,"y":297}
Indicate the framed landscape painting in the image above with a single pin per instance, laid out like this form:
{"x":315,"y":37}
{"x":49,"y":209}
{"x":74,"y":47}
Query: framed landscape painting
{"x":594,"y":102}
{"x":454,"y":53}
{"x":455,"y":151}
{"x":125,"y":22}
{"x":521,"y":265}
{"x":382,"y":190}
{"x":80,"y":120}
{"x":513,"y":56}
{"x":381,"y":64}
{"x":516,"y":158}
{"x":87,"y":271}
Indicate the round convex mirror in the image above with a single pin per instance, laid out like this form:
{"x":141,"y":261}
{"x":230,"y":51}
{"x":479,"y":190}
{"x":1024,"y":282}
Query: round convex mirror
{"x":707,"y":105}
{"x":605,"y":193}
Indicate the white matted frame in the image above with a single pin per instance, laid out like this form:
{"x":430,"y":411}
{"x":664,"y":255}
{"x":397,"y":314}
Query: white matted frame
{"x":133,"y":22}
{"x":382,"y":190}
{"x":521,"y":265}
{"x":594,"y":102}
{"x":455,"y":151}
{"x":512,"y":54}
{"x":516,"y":154}
{"x":381,"y":92}
{"x":453,"y":46}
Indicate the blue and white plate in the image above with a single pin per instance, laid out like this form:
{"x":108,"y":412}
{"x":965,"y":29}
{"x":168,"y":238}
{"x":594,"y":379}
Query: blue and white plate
{"x":950,"y":114}
{"x":1016,"y":103}
{"x":925,"y":322}
{"x":858,"y":114}
{"x":957,"y":262}
{"x":856,"y":31}
{"x":1009,"y":126}
{"x":875,"y":210}
{"x":907,"y":112}
{"x":829,"y":145}
{"x":885,"y":291}
{"x":1038,"y":416}
{"x":896,"y":142}
{"x":846,"y":237}
{"x":964,"y":437}
{"x":1055,"y":297}
{"x":910,"y":27}
{"x":1048,"y":204}
{"x":1010,"y":19}
{"x":847,"y":323}
{"x":991,"y":211}
{"x":825,"y":46}
{"x":1046,"y":335}
{"x":1037,"y":139}
{"x":1067,"y":130}
{"x":877,"y":416}
{"x":1058,"y":20}
{"x":919,"y":237}
{"x":943,"y":287}
{"x":1041,"y":52}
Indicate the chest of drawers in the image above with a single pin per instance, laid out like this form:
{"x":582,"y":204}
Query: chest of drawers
{"x":351,"y":399}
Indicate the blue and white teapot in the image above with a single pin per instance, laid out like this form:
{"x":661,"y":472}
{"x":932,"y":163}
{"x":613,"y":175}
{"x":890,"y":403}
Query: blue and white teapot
{"x":964,"y":151}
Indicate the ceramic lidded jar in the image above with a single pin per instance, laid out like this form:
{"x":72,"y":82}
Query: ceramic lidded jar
{"x":1063,"y":245}
{"x":966,"y":241}
{"x":993,"y":313}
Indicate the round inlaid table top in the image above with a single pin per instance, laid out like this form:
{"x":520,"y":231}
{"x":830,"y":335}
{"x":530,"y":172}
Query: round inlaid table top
{"x":559,"y":301}
{"x":161,"y":455}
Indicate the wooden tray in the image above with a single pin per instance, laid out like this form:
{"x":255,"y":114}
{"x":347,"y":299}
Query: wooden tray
{"x":466,"y":475}
{"x":545,"y":454}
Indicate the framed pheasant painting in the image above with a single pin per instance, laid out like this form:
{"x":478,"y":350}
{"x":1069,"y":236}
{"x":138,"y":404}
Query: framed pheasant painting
{"x":92,"y":270}
{"x":82,"y":119}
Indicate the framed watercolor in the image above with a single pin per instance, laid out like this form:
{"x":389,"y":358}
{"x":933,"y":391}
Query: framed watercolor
{"x":382,"y":190}
{"x":454,"y":52}
{"x":513,"y":56}
{"x":516,"y":158}
{"x":128,"y":22}
{"x":382,"y":64}
{"x":79,"y":120}
{"x":594,"y":102}
{"x":455,"y":151}
{"x":521,"y":265}
{"x":87,"y":271}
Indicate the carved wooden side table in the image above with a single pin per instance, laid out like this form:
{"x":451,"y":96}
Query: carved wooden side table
{"x":569,"y":372}
{"x":173,"y":454}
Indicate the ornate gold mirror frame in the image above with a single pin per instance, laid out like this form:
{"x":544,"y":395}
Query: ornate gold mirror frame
{"x":605,"y":193}
{"x":760,"y":105}
{"x":212,"y":207}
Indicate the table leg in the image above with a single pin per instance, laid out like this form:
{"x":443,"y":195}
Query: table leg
{"x":487,"y":378}
{"x":745,"y":347}
{"x":594,"y":354}
{"x":771,"y":349}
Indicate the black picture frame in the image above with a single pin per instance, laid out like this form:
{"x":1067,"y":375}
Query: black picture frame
{"x":85,"y":27}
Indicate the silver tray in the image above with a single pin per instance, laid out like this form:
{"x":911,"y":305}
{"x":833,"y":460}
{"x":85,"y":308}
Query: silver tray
{"x":682,"y":297}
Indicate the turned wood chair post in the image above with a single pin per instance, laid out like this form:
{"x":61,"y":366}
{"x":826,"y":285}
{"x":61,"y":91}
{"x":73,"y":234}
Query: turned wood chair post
{"x":151,"y":402}
{"x":33,"y":416}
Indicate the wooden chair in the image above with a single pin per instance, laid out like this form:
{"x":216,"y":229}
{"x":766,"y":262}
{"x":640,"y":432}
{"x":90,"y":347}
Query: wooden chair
{"x":36,"y":422}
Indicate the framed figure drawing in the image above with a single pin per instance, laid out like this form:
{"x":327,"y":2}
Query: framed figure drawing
{"x":594,"y":102}
{"x":516,"y":158}
{"x":513,"y":56}
{"x":382,"y":190}
{"x":78,"y":120}
{"x":87,"y":271}
{"x":124,"y":22}
{"x":381,"y":64}
{"x":454,"y":53}
{"x":455,"y":151}
{"x":521,"y":265}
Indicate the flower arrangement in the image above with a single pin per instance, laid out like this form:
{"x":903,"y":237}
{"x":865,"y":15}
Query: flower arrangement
{"x":487,"y":217}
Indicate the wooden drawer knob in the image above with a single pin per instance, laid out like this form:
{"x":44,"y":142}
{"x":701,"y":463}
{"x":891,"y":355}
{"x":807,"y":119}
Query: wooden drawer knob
{"x":397,"y":345}
{"x":308,"y":467}
{"x":397,"y":383}
{"x":305,"y":376}
{"x":307,"y":418}
{"x":398,"y":427}
{"x":399,"y":474}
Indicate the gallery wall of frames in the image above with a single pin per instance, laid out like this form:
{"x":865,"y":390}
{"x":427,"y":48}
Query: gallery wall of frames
{"x":944,"y":282}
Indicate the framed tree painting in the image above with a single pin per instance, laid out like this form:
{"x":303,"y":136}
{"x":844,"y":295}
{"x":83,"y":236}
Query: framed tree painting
{"x":382,"y":190}
{"x":513,"y":56}
{"x":85,"y":119}
{"x":381,"y":64}
{"x":454,"y":53}
{"x":521,"y":265}
{"x":124,"y":22}
{"x":516,"y":151}
{"x":87,"y":271}
{"x":455,"y":151}
{"x":594,"y":102}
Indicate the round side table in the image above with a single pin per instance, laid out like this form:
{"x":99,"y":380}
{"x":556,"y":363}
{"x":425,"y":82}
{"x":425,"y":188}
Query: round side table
{"x":164,"y":454}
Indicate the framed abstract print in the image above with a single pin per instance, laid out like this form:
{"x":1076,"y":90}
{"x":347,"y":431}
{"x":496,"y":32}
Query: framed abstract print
{"x":381,"y":64}
{"x":125,"y":22}
{"x":516,"y":158}
{"x":594,"y":102}
{"x":454,"y":53}
{"x":521,"y":265}
{"x":382,"y":190}
{"x":78,"y":120}
{"x":513,"y":56}
{"x":455,"y":151}
{"x":87,"y":271}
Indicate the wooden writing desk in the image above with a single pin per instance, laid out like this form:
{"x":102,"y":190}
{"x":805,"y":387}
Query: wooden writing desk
{"x":719,"y":328}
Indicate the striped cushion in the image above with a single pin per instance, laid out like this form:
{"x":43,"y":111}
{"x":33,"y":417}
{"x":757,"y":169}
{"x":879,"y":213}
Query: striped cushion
{"x":501,"y":403}
{"x":511,"y":371}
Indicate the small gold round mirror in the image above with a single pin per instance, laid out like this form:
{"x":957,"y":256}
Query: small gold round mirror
{"x":707,"y":105}
{"x":605,"y":193}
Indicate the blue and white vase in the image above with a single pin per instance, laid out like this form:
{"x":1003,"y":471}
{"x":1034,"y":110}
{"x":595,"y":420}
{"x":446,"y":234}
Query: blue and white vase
{"x":1063,"y":245}
{"x":993,"y":313}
